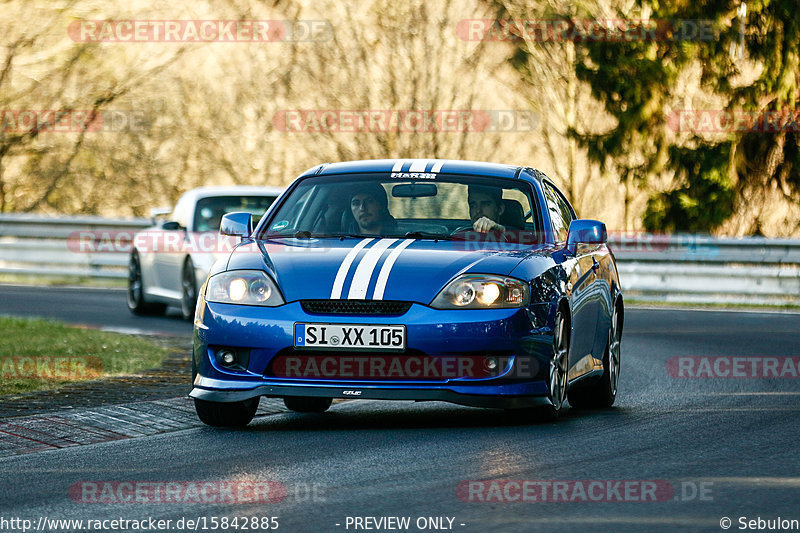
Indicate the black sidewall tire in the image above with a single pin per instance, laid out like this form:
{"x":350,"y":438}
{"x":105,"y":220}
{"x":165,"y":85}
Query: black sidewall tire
{"x":226,"y":414}
{"x":307,"y":404}
{"x":187,"y":306}
{"x":552,"y":412}
{"x":135,"y":296}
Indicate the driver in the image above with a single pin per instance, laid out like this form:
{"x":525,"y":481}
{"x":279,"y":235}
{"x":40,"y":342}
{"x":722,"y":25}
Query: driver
{"x":370,"y":207}
{"x":485,"y":208}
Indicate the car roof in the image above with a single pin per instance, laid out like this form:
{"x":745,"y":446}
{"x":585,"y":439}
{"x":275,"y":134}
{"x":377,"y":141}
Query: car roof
{"x":232,"y":190}
{"x":448,"y":166}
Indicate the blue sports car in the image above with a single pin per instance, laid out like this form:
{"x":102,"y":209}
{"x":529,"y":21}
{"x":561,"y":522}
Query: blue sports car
{"x":410,"y":279}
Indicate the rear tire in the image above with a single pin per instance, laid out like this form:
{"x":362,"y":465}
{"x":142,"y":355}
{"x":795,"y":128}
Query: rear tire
{"x":136,"y":302}
{"x":603,"y":392}
{"x":307,"y":404}
{"x":226,"y":414}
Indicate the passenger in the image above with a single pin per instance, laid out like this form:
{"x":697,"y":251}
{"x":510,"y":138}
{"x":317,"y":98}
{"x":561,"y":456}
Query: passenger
{"x":369,"y":206}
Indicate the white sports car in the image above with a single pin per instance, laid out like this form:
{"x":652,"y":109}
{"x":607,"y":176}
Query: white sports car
{"x":170,"y":260}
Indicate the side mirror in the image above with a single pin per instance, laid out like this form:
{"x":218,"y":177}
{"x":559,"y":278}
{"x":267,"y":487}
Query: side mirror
{"x":171,"y":225}
{"x":583,"y":231}
{"x":238,"y":224}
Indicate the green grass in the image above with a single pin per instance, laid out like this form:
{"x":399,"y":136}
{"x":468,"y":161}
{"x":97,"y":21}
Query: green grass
{"x":40,"y":354}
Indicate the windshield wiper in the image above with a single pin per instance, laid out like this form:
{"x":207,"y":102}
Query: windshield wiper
{"x":427,"y":235}
{"x":302,"y":234}
{"x":305,"y":234}
{"x":353,"y":235}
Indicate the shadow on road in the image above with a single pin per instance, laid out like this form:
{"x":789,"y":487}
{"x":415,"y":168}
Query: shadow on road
{"x":411,"y":416}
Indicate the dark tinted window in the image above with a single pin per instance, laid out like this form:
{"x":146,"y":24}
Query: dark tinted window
{"x":209,"y":211}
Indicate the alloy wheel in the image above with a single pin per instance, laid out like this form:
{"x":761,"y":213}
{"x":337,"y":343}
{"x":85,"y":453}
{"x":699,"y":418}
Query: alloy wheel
{"x":559,"y":362}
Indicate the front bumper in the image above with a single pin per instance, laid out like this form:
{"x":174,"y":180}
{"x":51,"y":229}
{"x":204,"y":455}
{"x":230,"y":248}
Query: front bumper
{"x":522,"y":336}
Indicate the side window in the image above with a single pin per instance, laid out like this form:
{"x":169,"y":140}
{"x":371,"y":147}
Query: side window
{"x":297,"y":213}
{"x":565,"y":208}
{"x":560,"y":213}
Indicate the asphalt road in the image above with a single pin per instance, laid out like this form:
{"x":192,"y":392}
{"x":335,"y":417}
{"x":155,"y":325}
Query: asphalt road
{"x":87,"y":306}
{"x":713,"y":447}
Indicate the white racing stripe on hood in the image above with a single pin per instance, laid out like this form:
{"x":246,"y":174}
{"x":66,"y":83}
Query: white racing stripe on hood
{"x":360,"y":284}
{"x":386,"y":269}
{"x":344,"y":268}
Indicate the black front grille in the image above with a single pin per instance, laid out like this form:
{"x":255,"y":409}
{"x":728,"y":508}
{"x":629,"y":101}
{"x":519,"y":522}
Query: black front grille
{"x":355,"y":307}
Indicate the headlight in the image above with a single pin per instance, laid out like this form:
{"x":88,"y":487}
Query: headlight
{"x":483,"y":291}
{"x":244,"y":287}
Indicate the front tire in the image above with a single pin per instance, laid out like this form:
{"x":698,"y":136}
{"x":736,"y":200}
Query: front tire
{"x":136,"y":302}
{"x":559,"y":365}
{"x":307,"y":404}
{"x":226,"y":414}
{"x":189,"y":290}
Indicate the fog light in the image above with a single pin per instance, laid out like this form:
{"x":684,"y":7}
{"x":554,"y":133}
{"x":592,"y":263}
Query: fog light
{"x":227,"y":357}
{"x":491,"y":363}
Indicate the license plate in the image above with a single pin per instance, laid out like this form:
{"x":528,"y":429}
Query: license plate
{"x":350,"y":337}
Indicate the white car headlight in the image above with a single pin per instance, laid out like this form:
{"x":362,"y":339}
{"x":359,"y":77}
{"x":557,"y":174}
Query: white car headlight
{"x":483,"y":291}
{"x":243,"y":287}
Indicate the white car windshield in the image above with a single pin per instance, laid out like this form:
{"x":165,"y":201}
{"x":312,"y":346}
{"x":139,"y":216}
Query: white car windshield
{"x":209,"y":210}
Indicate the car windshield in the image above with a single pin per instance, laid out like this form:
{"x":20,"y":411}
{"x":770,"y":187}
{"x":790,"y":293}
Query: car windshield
{"x":442,"y":207}
{"x":209,"y":211}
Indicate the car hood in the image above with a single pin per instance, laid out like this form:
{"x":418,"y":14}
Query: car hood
{"x":389,"y":269}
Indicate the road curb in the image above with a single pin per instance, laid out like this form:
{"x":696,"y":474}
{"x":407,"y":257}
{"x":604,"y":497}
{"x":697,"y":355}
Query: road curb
{"x":67,"y":428}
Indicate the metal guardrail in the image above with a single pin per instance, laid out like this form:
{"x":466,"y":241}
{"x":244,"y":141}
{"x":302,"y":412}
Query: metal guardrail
{"x":681,"y":268}
{"x":40,"y":246}
{"x":703,"y":269}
